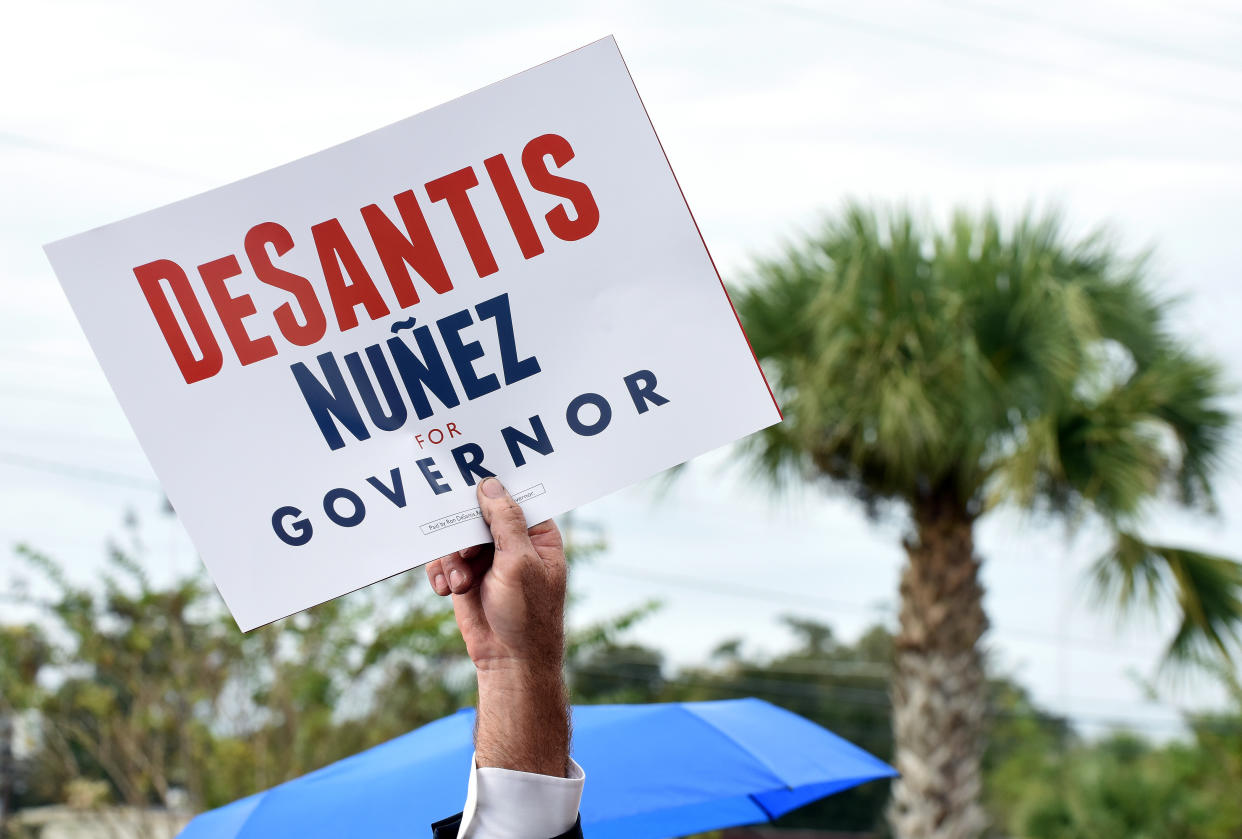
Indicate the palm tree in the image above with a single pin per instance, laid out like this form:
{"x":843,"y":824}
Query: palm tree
{"x":951,"y":372}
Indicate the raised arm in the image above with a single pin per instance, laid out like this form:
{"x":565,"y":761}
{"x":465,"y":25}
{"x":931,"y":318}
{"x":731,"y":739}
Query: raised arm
{"x":509,"y":601}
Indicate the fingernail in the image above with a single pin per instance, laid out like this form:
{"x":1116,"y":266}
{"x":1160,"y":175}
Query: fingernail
{"x":457,"y":579}
{"x":492,"y":488}
{"x":441,"y":584}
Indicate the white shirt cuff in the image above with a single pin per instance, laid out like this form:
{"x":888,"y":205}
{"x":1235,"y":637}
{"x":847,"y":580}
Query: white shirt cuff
{"x":507,"y":804}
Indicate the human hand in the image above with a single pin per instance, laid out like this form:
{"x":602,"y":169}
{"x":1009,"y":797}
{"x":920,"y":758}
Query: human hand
{"x":509,"y":596}
{"x":509,"y":601}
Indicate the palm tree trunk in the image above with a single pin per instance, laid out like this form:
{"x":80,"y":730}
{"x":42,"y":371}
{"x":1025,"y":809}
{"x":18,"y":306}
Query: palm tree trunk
{"x":939,"y":693}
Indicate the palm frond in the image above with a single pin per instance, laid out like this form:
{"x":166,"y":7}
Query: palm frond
{"x":1205,"y":589}
{"x":1185,"y":395}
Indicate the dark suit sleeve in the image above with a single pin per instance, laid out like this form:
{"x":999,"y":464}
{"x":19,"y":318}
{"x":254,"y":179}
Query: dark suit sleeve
{"x":447,"y":829}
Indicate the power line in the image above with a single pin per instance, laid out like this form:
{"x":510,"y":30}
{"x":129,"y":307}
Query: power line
{"x":739,"y":590}
{"x":62,"y":436}
{"x":63,"y":362}
{"x":861,"y":670}
{"x":898,"y":33}
{"x":73,"y":470}
{"x":721,"y":587}
{"x":23,"y":392}
{"x":23,"y":141}
{"x":1098,"y":36}
{"x":859,"y":697}
{"x":1213,"y":12}
{"x":878,"y":610}
{"x":38,"y":144}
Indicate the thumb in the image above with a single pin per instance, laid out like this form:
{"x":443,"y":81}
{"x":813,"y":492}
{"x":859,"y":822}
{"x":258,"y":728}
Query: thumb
{"x":505,"y":518}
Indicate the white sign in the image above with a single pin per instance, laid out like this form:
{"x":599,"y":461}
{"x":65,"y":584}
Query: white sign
{"x":322,"y":360}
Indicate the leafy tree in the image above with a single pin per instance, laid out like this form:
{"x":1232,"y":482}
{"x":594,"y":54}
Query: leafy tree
{"x":1126,"y":787}
{"x":1024,"y":742}
{"x":617,"y":673}
{"x":843,"y":687}
{"x":24,"y":653}
{"x":151,"y":689}
{"x":155,"y":690}
{"x":949,"y":372}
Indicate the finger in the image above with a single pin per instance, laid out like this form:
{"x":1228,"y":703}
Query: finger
{"x":457,"y":572}
{"x":505,"y":518}
{"x":549,"y":547}
{"x":435,"y":576}
{"x":480,"y":561}
{"x":468,"y":611}
{"x":545,"y":535}
{"x":468,"y":606}
{"x":438,"y":574}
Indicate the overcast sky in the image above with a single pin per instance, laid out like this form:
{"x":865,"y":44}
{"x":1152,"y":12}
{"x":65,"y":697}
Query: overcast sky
{"x":771,"y":113}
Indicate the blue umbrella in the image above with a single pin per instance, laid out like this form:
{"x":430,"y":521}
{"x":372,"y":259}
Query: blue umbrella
{"x":653,"y":771}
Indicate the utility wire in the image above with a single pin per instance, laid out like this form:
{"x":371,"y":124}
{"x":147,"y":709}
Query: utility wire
{"x":72,"y":470}
{"x":878,"y":610}
{"x":1021,"y":15}
{"x":854,"y":695}
{"x":860,"y":697}
{"x":64,"y":362}
{"x":63,"y":436}
{"x":43,"y":394}
{"x":897,"y":33}
{"x":819,"y":15}
{"x":684,"y":581}
{"x":1213,"y":12}
{"x":745,"y":591}
{"x":15,"y":140}
{"x":855,"y":670}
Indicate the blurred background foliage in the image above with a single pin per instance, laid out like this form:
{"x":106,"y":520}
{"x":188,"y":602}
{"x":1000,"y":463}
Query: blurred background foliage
{"x":150,"y":693}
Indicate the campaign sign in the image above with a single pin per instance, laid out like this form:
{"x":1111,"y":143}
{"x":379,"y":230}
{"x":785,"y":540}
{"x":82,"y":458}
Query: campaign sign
{"x":323,"y":360}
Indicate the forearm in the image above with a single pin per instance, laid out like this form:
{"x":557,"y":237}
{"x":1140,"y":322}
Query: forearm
{"x":523,"y":721}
